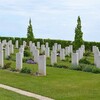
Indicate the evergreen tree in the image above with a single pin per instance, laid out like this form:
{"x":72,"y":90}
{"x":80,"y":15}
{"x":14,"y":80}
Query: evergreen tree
{"x":30,"y":35}
{"x":78,"y":40}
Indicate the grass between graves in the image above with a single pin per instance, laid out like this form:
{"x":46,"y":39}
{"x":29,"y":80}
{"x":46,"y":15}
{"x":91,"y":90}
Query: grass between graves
{"x":8,"y":95}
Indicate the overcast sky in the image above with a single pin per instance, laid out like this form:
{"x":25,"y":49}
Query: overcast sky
{"x":55,"y":19}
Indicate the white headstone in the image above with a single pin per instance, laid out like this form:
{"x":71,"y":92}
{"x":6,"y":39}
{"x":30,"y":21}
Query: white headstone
{"x":38,"y":45}
{"x":42,"y":48}
{"x":21,"y":50}
{"x":36,"y":55}
{"x":75,"y":60}
{"x":7,"y":51}
{"x":31,"y":47}
{"x":12,"y":49}
{"x":18,"y":61}
{"x":24,"y":43}
{"x":1,"y":47}
{"x":53,"y":58}
{"x":33,"y":50}
{"x":98,"y":61}
{"x":79,"y":54}
{"x":59,"y":47}
{"x":47,"y":45}
{"x":62,"y":54}
{"x":71,"y":48}
{"x":1,"y":59}
{"x":4,"y":42}
{"x":96,"y":54}
{"x":42,"y":65}
{"x":30,"y":43}
{"x":83,"y":47}
{"x":55,"y":46}
{"x":47,"y":51}
{"x":54,"y":49}
{"x":67,"y":51}
{"x":17,"y":44}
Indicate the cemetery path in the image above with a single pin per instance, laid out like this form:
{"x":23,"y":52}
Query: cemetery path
{"x":22,"y":92}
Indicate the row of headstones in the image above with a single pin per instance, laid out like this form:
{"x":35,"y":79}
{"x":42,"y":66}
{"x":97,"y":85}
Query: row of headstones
{"x":19,"y":57}
{"x":63,"y":52}
{"x":57,"y":47}
{"x":9,"y":49}
{"x":79,"y":55}
{"x":41,"y":63}
{"x":41,"y":59}
{"x":75,"y":56}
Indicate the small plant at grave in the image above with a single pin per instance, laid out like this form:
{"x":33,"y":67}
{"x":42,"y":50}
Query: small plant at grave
{"x":54,"y":65}
{"x":43,"y":53}
{"x":87,"y":53}
{"x":63,"y":60}
{"x":26,"y":70}
{"x":67,"y":56}
{"x":48,"y":58}
{"x":13,"y":69}
{"x":87,"y":68}
{"x":61,"y":66}
{"x":58,"y":66}
{"x":95,"y":70}
{"x":84,"y":61}
{"x":30,"y":61}
{"x":26,"y":47}
{"x":75,"y":68}
{"x":7,"y":65}
{"x":27,"y":53}
{"x":8,"y":58}
{"x":24,"y":60}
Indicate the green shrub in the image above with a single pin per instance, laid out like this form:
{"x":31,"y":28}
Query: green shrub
{"x":88,"y":68}
{"x":27,"y":53}
{"x":8,"y":58}
{"x":57,"y":66}
{"x":85,"y":68}
{"x":43,"y":53}
{"x":84,"y":61}
{"x":75,"y":68}
{"x":26,"y":48}
{"x":24,"y":60}
{"x":96,"y":70}
{"x":87,"y":53}
{"x":13,"y":69}
{"x":7,"y":65}
{"x":61,"y":66}
{"x":26,"y":70}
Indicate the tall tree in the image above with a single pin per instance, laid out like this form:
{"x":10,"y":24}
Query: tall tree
{"x":78,"y":40}
{"x":30,"y":35}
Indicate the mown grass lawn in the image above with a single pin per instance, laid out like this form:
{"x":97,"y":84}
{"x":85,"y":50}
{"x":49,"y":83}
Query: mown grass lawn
{"x":60,"y":84}
{"x":8,"y":95}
